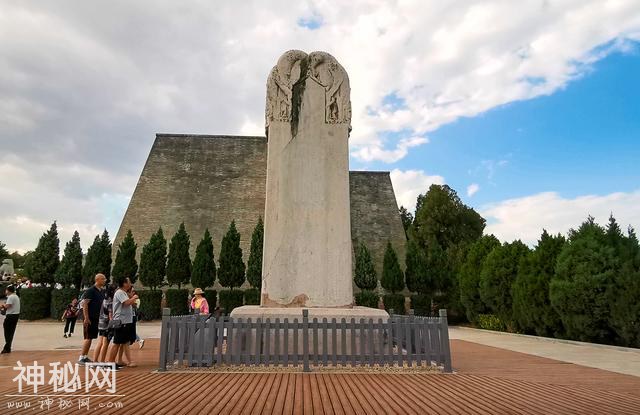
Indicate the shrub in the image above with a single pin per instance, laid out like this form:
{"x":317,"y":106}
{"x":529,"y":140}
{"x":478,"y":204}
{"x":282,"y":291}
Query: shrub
{"x":252,"y":296}
{"x":177,"y":301}
{"x":367,"y":298}
{"x":60,"y":299}
{"x":230,"y":299}
{"x":392,"y":276}
{"x":212,"y":299}
{"x":421,"y":305}
{"x":365,"y":273}
{"x":150,"y":301}
{"x":490,"y":322}
{"x":394,"y":302}
{"x":35,"y":303}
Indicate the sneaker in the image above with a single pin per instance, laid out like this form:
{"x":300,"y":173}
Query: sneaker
{"x":141,"y":343}
{"x":5,"y":351}
{"x":65,"y":335}
{"x":70,"y":334}
{"x":84,"y":361}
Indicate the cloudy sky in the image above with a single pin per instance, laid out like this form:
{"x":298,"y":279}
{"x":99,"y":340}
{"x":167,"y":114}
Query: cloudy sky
{"x":528,"y":109}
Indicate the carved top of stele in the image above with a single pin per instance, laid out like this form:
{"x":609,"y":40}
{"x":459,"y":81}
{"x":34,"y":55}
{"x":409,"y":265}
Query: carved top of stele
{"x":297,"y":66}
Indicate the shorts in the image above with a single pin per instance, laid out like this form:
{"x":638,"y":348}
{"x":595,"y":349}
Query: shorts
{"x":122,"y":334}
{"x":103,"y":333}
{"x":90,"y":332}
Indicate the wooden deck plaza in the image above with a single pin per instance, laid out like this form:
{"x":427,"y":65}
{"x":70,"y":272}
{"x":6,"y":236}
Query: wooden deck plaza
{"x":487,"y":381}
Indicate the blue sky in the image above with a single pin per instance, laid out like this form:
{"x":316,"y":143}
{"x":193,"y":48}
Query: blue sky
{"x":582,"y":139}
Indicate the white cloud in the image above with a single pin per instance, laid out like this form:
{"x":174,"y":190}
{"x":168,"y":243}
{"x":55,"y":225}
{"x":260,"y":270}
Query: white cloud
{"x":524,"y":218}
{"x":472,"y":189}
{"x":408,"y":184}
{"x":376,"y":150}
{"x":86,"y":86}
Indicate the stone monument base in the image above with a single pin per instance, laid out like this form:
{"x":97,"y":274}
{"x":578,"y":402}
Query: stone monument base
{"x":272,"y":313}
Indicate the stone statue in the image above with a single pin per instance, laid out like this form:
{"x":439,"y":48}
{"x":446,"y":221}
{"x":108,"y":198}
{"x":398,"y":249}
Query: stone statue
{"x":6,"y":268}
{"x":323,"y":68}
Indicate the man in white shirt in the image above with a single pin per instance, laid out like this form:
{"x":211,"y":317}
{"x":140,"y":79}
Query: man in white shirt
{"x":12,"y":308}
{"x":122,"y":313}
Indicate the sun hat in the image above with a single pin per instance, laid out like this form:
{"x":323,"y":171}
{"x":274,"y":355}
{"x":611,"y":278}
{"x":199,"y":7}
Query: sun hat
{"x":198,"y":291}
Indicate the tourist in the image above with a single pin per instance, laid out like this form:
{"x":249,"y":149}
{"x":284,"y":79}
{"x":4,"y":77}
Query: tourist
{"x":70,"y":314}
{"x":122,"y":319}
{"x":199,"y":302}
{"x":91,"y":306}
{"x":104,"y":333}
{"x":125,"y":349}
{"x":11,"y":309}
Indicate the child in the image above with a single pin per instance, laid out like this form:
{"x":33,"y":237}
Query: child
{"x":70,"y":315}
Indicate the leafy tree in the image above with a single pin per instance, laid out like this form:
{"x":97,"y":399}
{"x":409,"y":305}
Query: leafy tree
{"x":4,"y":254}
{"x":105,"y":257}
{"x":624,"y":291}
{"x":392,"y":277}
{"x":178,"y":261}
{"x":92,"y":262}
{"x":416,"y":276}
{"x":204,"y":266}
{"x":27,"y":264}
{"x":18,"y":259}
{"x":70,"y":270}
{"x":46,"y":257}
{"x":254,"y":265}
{"x":407,"y":220}
{"x":98,"y":259}
{"x":469,"y":276}
{"x":499,"y":272}
{"x":231,"y":270}
{"x":586,"y":266}
{"x":365,"y":272}
{"x":441,"y":216}
{"x":126,"y":265}
{"x":531,"y":304}
{"x":153,"y":261}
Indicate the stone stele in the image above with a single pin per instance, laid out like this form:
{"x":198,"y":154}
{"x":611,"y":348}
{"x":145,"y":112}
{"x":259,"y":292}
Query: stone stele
{"x":307,"y":229}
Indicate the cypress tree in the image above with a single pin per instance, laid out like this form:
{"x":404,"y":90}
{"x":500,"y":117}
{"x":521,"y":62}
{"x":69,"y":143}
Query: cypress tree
{"x":416,"y":275}
{"x":98,"y":259}
{"x":92,"y":262}
{"x":105,"y":254}
{"x":470,"y":276}
{"x":531,"y":305}
{"x":70,"y":270}
{"x":126,"y":265}
{"x":392,"y":276}
{"x":254,"y":265}
{"x":365,"y":272}
{"x":499,"y":272}
{"x":178,"y":261}
{"x":153,"y":261}
{"x":46,"y":257}
{"x":203,"y":274}
{"x":231,"y":270}
{"x":586,"y":267}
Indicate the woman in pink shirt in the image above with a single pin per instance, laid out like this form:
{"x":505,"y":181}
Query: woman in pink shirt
{"x":198,"y":301}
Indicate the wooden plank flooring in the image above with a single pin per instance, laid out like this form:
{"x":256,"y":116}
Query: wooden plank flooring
{"x":488,"y":381}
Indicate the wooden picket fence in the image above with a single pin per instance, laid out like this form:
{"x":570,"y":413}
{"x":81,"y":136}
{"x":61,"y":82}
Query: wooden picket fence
{"x":203,"y":341}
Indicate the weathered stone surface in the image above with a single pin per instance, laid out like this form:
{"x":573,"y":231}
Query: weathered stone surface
{"x":307,"y":241}
{"x":206,"y":181}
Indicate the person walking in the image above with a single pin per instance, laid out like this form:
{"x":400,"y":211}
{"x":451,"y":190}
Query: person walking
{"x":122,"y":318}
{"x":91,"y":305}
{"x":199,"y":302}
{"x":11,"y":308}
{"x":69,"y":316}
{"x":104,"y":333}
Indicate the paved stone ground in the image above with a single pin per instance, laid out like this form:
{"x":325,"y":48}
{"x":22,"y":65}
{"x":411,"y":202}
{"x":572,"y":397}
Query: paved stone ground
{"x":616,"y":359}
